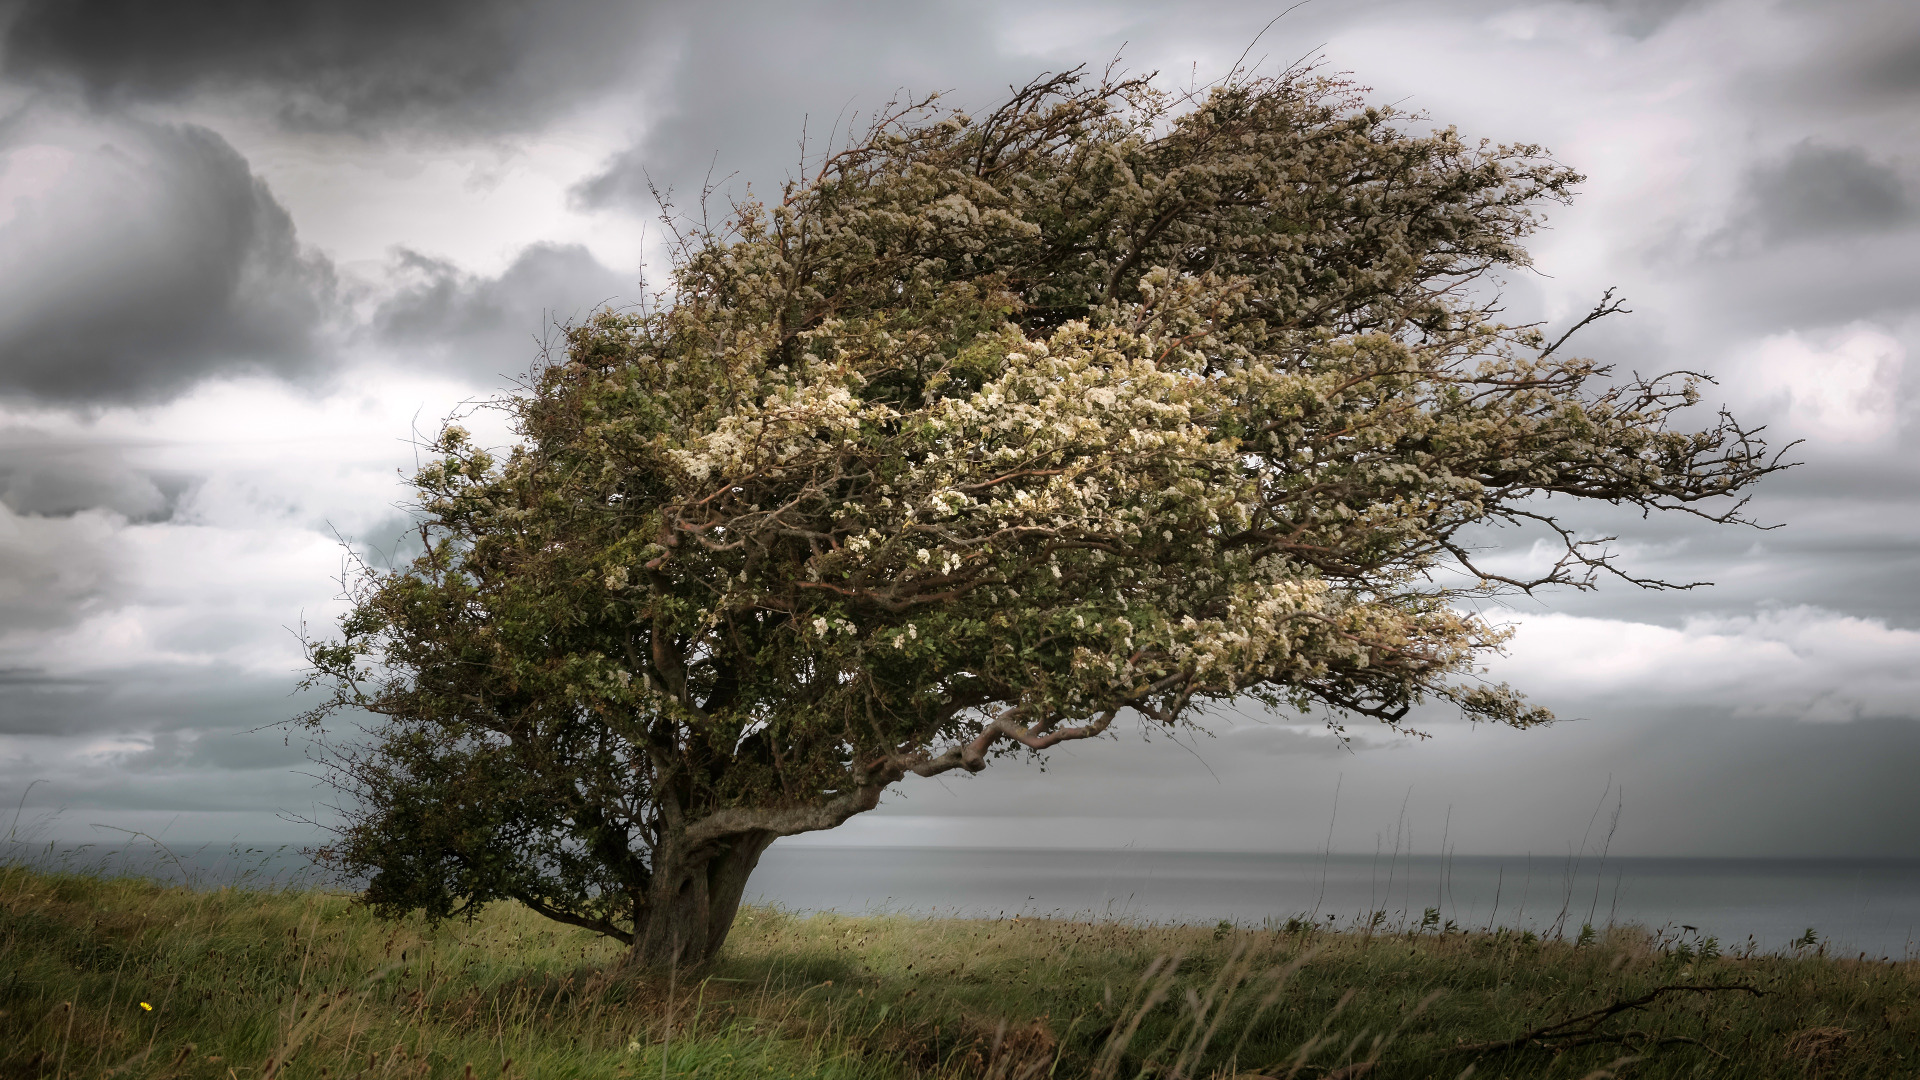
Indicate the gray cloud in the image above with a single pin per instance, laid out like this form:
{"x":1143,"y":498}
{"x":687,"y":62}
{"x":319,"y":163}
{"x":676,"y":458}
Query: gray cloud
{"x":1866,"y":275}
{"x":150,"y":698}
{"x":61,"y":486}
{"x":1284,"y":738}
{"x":333,"y":64}
{"x":1700,"y":781}
{"x":58,"y":478}
{"x":748,"y":78}
{"x":1696,"y":781}
{"x":1822,"y":238}
{"x":222,"y":750}
{"x":1846,"y":543}
{"x":1860,"y":57}
{"x":53,"y":572}
{"x":1819,"y":190}
{"x":491,"y":328}
{"x":1640,"y":18}
{"x":1817,"y":236}
{"x":1892,"y":69}
{"x":140,"y":258}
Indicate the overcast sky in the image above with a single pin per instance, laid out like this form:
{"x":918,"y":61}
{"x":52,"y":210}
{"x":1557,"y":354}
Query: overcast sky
{"x":247,"y":250}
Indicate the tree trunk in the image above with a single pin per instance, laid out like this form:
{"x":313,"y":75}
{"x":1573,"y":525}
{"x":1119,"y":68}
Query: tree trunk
{"x":694,"y":899}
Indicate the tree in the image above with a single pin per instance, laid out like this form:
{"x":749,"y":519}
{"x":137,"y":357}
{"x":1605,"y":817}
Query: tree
{"x":996,"y":428}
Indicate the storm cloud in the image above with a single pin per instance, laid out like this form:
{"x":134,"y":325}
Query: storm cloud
{"x":249,"y":253}
{"x":48,"y":478}
{"x":137,"y":258}
{"x":1820,"y":190}
{"x":818,"y":69}
{"x":332,"y":65}
{"x":492,"y":329}
{"x":151,"y":700}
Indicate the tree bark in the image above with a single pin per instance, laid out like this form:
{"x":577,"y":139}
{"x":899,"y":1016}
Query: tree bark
{"x":696,"y":894}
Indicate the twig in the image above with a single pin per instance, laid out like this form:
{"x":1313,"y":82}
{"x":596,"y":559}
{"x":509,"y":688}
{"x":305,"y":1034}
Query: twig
{"x":1607,"y":306}
{"x":1583,"y":1030}
{"x":185,"y":878}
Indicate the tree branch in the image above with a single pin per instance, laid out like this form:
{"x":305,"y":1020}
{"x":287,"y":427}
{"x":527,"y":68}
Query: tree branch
{"x":1581,"y":1030}
{"x":600,"y":926}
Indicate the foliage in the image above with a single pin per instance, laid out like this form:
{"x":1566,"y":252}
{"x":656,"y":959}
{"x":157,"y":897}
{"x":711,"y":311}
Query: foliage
{"x":996,"y":427}
{"x":306,"y":984}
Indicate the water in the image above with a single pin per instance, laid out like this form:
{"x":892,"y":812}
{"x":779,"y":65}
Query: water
{"x":1853,"y":905}
{"x":201,"y":865}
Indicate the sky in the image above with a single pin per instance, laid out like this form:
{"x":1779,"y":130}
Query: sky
{"x":249,"y":253}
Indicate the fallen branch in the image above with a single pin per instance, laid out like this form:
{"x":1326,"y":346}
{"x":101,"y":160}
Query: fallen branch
{"x":1584,"y":1030}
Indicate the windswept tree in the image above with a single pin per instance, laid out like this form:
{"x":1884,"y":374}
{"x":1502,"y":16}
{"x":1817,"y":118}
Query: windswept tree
{"x":998,"y":428}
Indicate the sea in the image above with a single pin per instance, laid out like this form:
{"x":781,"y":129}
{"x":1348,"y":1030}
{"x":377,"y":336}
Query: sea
{"x":1842,"y":907}
{"x":1845,"y":907}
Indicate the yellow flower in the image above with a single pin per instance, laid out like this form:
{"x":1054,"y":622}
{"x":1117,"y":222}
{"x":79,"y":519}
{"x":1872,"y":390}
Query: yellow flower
{"x":146,"y":1006}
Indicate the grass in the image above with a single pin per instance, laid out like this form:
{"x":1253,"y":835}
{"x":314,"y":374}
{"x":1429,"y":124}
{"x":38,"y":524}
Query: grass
{"x":120,"y":977}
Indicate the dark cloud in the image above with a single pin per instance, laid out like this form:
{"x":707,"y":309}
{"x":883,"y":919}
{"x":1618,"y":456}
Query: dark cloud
{"x":625,"y":180}
{"x":58,"y":479}
{"x":1892,"y":69}
{"x":492,"y":328}
{"x":107,"y":784}
{"x":1844,"y":542}
{"x":54,"y":572}
{"x":1277,"y":739}
{"x":1819,"y":190}
{"x":60,"y":488}
{"x":1732,"y":787}
{"x":1857,"y":56}
{"x":746,"y":79}
{"x":1830,"y":281}
{"x":1697,"y":780}
{"x":138,"y":258}
{"x":1641,"y":18}
{"x":334,"y":64}
{"x":221,"y":750}
{"x":155,"y":255}
{"x":150,"y":699}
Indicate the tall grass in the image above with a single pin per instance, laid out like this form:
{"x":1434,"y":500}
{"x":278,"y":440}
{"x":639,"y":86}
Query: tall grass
{"x":121,"y":977}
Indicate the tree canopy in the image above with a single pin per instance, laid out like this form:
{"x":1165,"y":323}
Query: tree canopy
{"x":994,"y":428}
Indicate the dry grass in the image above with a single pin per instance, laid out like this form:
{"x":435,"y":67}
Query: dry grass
{"x":261,"y":985}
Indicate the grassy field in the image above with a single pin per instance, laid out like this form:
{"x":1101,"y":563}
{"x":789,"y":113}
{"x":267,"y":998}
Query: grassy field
{"x":123,"y":978}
